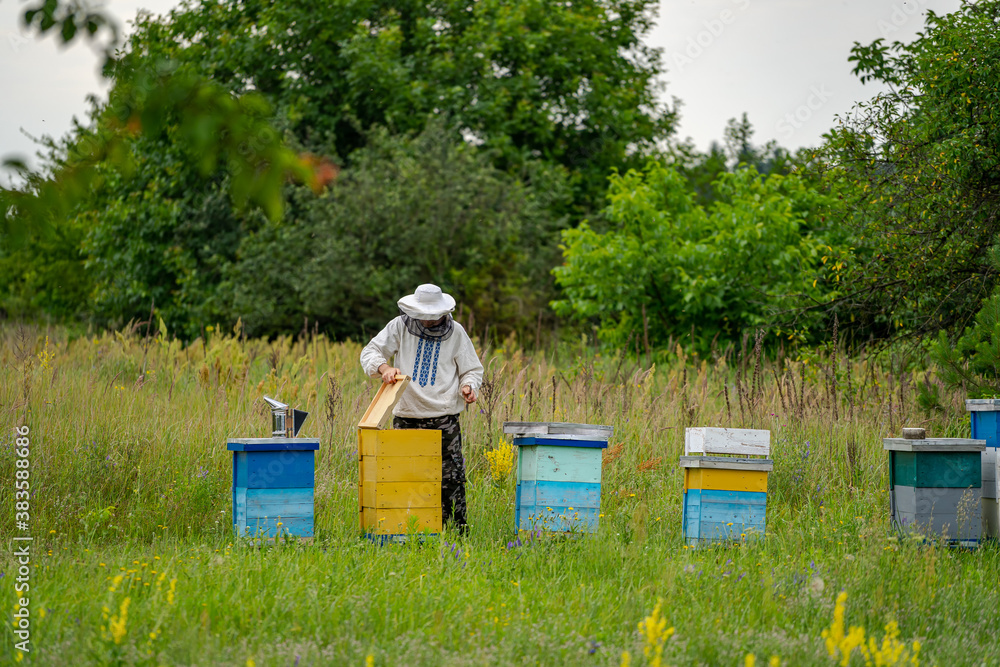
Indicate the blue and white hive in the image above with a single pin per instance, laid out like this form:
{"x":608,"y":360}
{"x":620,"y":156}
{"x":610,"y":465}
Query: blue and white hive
{"x":273,"y":486}
{"x":558,"y":475}
{"x":725,"y":486}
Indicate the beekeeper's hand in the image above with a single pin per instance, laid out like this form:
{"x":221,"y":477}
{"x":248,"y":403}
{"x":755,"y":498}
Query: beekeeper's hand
{"x":389,"y":373}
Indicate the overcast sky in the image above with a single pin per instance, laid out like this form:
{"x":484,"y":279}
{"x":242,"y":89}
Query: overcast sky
{"x":783,"y":62}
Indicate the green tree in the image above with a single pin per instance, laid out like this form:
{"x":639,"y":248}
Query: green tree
{"x":921,"y":164}
{"x":156,"y":223}
{"x":408,"y":210}
{"x":566,"y":83}
{"x":149,"y":95}
{"x":550,"y":95}
{"x":972,"y":361}
{"x":44,"y":273}
{"x":669,"y":265}
{"x":162,"y":236}
{"x":737,"y":148}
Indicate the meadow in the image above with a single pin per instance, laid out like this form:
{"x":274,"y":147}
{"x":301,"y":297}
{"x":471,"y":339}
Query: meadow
{"x":134,"y":559}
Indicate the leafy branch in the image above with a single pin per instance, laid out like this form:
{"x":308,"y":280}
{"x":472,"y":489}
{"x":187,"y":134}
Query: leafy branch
{"x":148,"y":97}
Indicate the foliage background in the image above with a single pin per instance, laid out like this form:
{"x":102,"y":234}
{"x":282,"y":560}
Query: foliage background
{"x":285,"y":171}
{"x":489,"y":148}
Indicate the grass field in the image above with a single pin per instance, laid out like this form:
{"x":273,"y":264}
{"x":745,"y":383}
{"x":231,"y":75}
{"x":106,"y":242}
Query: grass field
{"x":134,"y":562}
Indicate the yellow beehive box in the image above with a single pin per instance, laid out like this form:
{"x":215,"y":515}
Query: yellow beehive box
{"x":399,"y":473}
{"x":721,"y":479}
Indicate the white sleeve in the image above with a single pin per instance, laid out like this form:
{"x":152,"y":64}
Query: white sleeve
{"x":381,"y":348}
{"x":470,"y":369}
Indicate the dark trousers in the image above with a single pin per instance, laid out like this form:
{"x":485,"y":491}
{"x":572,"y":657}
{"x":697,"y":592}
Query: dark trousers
{"x":452,"y":463}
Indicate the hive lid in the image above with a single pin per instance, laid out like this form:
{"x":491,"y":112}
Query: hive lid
{"x":982,"y":404}
{"x":593,"y":431}
{"x":271,"y":444}
{"x":383,"y":403}
{"x":577,"y":441}
{"x":730,"y":441}
{"x":934,"y":445}
{"x":727,"y":463}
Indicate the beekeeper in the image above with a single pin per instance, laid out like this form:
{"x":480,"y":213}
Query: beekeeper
{"x":425,"y":343}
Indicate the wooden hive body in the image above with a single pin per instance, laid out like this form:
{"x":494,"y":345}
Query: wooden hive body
{"x":985,"y":417}
{"x":558,"y":475}
{"x":273,"y":486}
{"x":399,"y":473}
{"x":725,"y":490}
{"x":935,"y":487}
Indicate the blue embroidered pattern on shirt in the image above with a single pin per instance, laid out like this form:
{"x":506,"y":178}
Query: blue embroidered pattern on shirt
{"x":416,"y":360}
{"x":424,"y":364}
{"x":434,"y":372}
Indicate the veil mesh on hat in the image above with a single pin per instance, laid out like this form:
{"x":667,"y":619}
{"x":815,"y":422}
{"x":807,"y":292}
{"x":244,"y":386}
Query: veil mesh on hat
{"x":438,"y":332}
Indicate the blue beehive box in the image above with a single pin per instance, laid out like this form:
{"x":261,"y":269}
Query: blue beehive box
{"x":984,"y":413}
{"x":725,"y":490}
{"x":273,"y":484}
{"x":558,"y":475}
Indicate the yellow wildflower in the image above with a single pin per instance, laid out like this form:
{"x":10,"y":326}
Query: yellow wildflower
{"x":117,"y":623}
{"x":891,"y":651}
{"x":655,"y":632}
{"x":501,"y":460}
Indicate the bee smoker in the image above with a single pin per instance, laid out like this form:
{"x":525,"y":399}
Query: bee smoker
{"x":285,"y":422}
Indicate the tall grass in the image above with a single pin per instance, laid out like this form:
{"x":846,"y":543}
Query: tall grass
{"x":130,"y":474}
